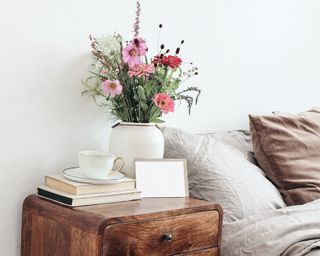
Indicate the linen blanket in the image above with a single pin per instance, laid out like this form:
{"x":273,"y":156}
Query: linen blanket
{"x":290,"y":231}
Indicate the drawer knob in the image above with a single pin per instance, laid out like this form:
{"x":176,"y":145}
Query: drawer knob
{"x":167,"y":237}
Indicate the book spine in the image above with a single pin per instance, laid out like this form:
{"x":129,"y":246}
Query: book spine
{"x":54,"y":196}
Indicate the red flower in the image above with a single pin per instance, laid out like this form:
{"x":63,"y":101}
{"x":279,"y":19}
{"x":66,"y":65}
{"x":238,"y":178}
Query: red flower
{"x":170,"y":61}
{"x":157,"y":60}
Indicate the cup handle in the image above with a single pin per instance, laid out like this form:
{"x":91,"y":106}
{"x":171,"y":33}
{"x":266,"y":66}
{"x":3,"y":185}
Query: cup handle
{"x":115,"y":160}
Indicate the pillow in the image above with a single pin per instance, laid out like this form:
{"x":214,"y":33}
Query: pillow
{"x":239,"y":139}
{"x":287,"y":148}
{"x":220,"y":173}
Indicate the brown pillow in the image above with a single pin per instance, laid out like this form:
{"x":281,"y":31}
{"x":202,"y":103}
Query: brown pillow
{"x":287,"y":148}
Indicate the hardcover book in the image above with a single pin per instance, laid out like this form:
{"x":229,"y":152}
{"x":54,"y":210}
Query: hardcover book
{"x":88,"y":199}
{"x":57,"y":181}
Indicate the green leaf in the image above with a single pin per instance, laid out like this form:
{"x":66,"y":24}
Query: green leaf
{"x":141,"y":92}
{"x":97,"y":74}
{"x":157,"y":120}
{"x":155,"y":113}
{"x":144,"y":106}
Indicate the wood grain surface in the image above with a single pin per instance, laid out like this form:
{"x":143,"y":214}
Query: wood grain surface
{"x":127,"y":228}
{"x":205,"y":252}
{"x":189,"y":232}
{"x":46,"y":237}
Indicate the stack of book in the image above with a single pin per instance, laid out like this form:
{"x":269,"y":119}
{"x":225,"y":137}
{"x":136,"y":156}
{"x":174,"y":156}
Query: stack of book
{"x":71,"y":193}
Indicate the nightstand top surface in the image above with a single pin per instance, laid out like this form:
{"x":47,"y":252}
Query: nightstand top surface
{"x":144,"y":206}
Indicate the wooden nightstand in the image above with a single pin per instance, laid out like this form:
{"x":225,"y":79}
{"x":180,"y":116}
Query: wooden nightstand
{"x":152,"y":226}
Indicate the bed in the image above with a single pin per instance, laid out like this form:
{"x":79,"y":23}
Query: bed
{"x":257,"y":220}
{"x":293,"y":230}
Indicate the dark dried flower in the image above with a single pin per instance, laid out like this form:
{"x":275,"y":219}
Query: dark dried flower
{"x":178,"y":50}
{"x":189,"y":99}
{"x":160,"y":25}
{"x":162,"y":46}
{"x":136,"y":42}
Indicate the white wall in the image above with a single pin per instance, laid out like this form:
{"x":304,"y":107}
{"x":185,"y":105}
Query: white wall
{"x":254,"y":57}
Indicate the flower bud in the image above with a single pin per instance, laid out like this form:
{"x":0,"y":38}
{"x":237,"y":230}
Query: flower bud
{"x":136,"y":42}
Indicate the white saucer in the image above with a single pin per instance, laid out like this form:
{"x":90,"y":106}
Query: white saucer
{"x":76,"y":174}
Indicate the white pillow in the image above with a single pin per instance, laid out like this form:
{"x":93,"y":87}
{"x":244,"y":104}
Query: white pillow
{"x":238,"y":139}
{"x":220,"y":173}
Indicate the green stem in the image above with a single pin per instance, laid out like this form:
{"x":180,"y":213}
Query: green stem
{"x":139,"y":112}
{"x":151,"y":115}
{"x":126,"y":100}
{"x":165,"y":75}
{"x":127,"y":109}
{"x":148,"y":111}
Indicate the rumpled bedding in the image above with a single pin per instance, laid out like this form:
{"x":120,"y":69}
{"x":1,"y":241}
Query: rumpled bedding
{"x":290,"y":231}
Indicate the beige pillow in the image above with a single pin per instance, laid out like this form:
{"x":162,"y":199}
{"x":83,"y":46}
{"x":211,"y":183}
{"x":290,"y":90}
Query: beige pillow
{"x":287,"y":148}
{"x":220,"y":173}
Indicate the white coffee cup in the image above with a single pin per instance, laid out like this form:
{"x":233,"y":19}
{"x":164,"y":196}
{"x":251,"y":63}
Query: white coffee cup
{"x":97,"y":164}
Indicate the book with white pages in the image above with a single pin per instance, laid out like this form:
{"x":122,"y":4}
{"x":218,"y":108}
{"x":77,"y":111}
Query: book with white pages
{"x":59,"y":182}
{"x":87,"y":199}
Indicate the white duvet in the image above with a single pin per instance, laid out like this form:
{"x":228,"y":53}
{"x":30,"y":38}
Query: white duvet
{"x":290,"y":231}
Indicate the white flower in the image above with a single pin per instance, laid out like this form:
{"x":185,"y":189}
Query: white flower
{"x":108,"y":43}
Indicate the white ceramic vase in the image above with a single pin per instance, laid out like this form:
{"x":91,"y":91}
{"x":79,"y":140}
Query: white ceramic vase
{"x":136,"y":141}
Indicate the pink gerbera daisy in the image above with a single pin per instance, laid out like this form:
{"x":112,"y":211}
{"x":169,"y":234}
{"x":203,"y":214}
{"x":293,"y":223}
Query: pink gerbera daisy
{"x":141,"y":70}
{"x":111,"y":88}
{"x":164,"y":102}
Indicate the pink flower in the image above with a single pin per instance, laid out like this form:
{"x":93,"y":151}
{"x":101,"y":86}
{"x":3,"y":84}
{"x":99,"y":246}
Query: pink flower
{"x":104,"y":72}
{"x":141,"y":70}
{"x":130,"y":55}
{"x":133,"y":51}
{"x":164,"y":102}
{"x":140,"y":43}
{"x":111,"y":88}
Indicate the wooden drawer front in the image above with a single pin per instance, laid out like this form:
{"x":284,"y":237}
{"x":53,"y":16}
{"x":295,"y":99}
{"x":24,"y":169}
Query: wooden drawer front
{"x":189,"y":233}
{"x":206,"y":252}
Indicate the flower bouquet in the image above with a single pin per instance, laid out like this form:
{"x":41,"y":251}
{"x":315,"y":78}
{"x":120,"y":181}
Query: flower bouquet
{"x":135,"y":87}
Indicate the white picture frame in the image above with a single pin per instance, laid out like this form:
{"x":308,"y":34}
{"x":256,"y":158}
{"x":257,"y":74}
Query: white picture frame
{"x":162,"y":177}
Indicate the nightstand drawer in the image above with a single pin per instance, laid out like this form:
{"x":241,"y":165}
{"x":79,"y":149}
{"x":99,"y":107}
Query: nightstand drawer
{"x":163,"y":236}
{"x":205,"y":252}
